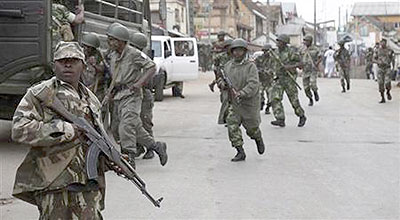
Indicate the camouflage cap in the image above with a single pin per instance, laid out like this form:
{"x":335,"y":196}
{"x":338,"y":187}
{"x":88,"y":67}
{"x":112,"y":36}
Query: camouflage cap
{"x":69,"y":50}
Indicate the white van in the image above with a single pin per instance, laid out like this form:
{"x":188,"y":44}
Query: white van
{"x":176,"y":60}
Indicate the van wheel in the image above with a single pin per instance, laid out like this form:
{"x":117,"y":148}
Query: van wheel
{"x":159,"y":87}
{"x":177,"y":89}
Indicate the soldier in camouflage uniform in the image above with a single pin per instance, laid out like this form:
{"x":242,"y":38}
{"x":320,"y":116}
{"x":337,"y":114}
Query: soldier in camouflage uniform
{"x":368,"y":63}
{"x":285,"y":81}
{"x":139,"y":41}
{"x":219,"y":62}
{"x":244,"y":99}
{"x":311,"y":57}
{"x":62,"y":19}
{"x":93,"y":77}
{"x":52,"y":175}
{"x":130,"y":69}
{"x":342,"y":57}
{"x":265,"y":68}
{"x":218,"y":47}
{"x":384,"y":58}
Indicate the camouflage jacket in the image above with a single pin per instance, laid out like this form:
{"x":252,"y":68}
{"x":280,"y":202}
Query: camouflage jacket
{"x":342,"y":56}
{"x":287,"y":56}
{"x":56,"y":159}
{"x":369,"y":56}
{"x":265,"y":66}
{"x":384,"y":57}
{"x":61,"y":21}
{"x":221,"y":59}
{"x":310,"y":56}
{"x":244,"y":77}
{"x":127,"y":69}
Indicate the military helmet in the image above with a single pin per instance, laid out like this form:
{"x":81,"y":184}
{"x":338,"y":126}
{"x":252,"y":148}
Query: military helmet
{"x":238,"y":42}
{"x":119,"y":32}
{"x":139,"y":40}
{"x":91,"y":39}
{"x":284,"y":38}
{"x":221,"y":33}
{"x":308,"y":38}
{"x":341,"y":42}
{"x":228,"y":43}
{"x":267,"y":47}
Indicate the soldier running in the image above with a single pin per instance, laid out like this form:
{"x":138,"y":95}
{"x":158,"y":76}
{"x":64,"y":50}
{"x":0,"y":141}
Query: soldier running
{"x":384,"y":60}
{"x":342,"y":57}
{"x":266,"y":73}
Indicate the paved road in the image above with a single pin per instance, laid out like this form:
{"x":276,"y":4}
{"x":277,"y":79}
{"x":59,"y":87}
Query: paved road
{"x":343,"y":164}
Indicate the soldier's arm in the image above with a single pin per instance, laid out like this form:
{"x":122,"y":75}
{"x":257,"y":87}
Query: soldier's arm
{"x":148,"y":66}
{"x":252,"y":83}
{"x":28,"y":126}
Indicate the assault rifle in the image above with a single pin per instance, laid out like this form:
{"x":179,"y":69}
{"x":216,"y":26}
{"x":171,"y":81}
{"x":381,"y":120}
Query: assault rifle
{"x":288,"y":74}
{"x":231,"y":90}
{"x":99,"y":143}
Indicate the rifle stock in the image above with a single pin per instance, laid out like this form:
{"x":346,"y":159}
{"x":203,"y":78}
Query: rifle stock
{"x":99,"y":143}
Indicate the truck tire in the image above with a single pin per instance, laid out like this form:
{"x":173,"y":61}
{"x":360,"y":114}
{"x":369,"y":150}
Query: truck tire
{"x":177,"y":89}
{"x":159,"y":87}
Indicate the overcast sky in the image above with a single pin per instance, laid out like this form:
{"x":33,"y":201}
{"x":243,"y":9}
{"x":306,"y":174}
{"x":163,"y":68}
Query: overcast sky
{"x":326,"y":9}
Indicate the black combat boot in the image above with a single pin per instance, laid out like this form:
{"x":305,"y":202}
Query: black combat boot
{"x":302,"y":121}
{"x":316,"y":96}
{"x":161,"y":149}
{"x":262,"y":105}
{"x":240,"y":155}
{"x":343,"y":89}
{"x":389,"y":96}
{"x":260,"y":146}
{"x":267,"y":112}
{"x":382,"y":98}
{"x":311,"y":102}
{"x":148,"y":155}
{"x":279,"y":122}
{"x":348,"y":85}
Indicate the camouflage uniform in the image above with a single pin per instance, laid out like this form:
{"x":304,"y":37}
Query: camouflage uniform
{"x":94,"y":80}
{"x":368,"y":66}
{"x":384,"y":59}
{"x":146,"y":113}
{"x":52,"y":175}
{"x":310,"y":56}
{"x":126,"y":124}
{"x":219,"y":62}
{"x":342,"y":57}
{"x":282,"y":83}
{"x":61,"y":24}
{"x":244,"y":77}
{"x":265,"y":68}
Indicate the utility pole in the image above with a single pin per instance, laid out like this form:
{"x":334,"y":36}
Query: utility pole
{"x":268,"y":21}
{"x":339,"y":18}
{"x":209,"y":7}
{"x":315,"y":22}
{"x":187,"y":18}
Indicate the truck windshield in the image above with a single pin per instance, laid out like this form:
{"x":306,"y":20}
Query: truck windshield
{"x":156,"y":47}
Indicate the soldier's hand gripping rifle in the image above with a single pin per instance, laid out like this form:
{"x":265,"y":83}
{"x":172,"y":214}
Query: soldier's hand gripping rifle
{"x":99,"y":143}
{"x":288,"y":74}
{"x":233,"y":93}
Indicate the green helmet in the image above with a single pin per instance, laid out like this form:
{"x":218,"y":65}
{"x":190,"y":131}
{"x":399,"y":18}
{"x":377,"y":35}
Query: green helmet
{"x":139,"y":40}
{"x":308,"y":38}
{"x":284,"y":38}
{"x":238,"y":42}
{"x":119,"y":32}
{"x":221,"y":33}
{"x":228,"y":43}
{"x":341,"y":42}
{"x":91,"y":39}
{"x":267,"y":47}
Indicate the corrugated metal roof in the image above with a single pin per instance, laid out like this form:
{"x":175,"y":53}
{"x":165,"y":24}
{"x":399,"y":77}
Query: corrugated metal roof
{"x":376,"y":8}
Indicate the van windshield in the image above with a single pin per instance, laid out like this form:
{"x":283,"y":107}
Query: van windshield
{"x":156,"y":47}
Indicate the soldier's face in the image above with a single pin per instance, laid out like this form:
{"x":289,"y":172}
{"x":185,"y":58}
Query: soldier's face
{"x":69,"y":70}
{"x":281,"y":44}
{"x":113,"y":43}
{"x":383,"y":44}
{"x":221,"y":37}
{"x":238,"y":53}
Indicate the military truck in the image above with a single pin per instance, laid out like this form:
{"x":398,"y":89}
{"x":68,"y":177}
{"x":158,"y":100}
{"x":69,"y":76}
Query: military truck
{"x":26,"y":44}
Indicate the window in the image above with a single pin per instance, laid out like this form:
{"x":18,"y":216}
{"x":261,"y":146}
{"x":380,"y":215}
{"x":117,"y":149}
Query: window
{"x":177,"y":16}
{"x":156,"y":48}
{"x":184,"y":48}
{"x":364,"y":31}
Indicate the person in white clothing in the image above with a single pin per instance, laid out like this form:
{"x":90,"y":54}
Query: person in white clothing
{"x":329,"y":62}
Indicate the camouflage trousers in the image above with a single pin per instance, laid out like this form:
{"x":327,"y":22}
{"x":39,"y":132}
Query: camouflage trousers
{"x":233,"y":121}
{"x":279,"y":87}
{"x":223,"y":111}
{"x":384,"y":79}
{"x":69,"y":205}
{"x":127,"y":126}
{"x":310,"y":83}
{"x":146,"y":112}
{"x":344,"y":76}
